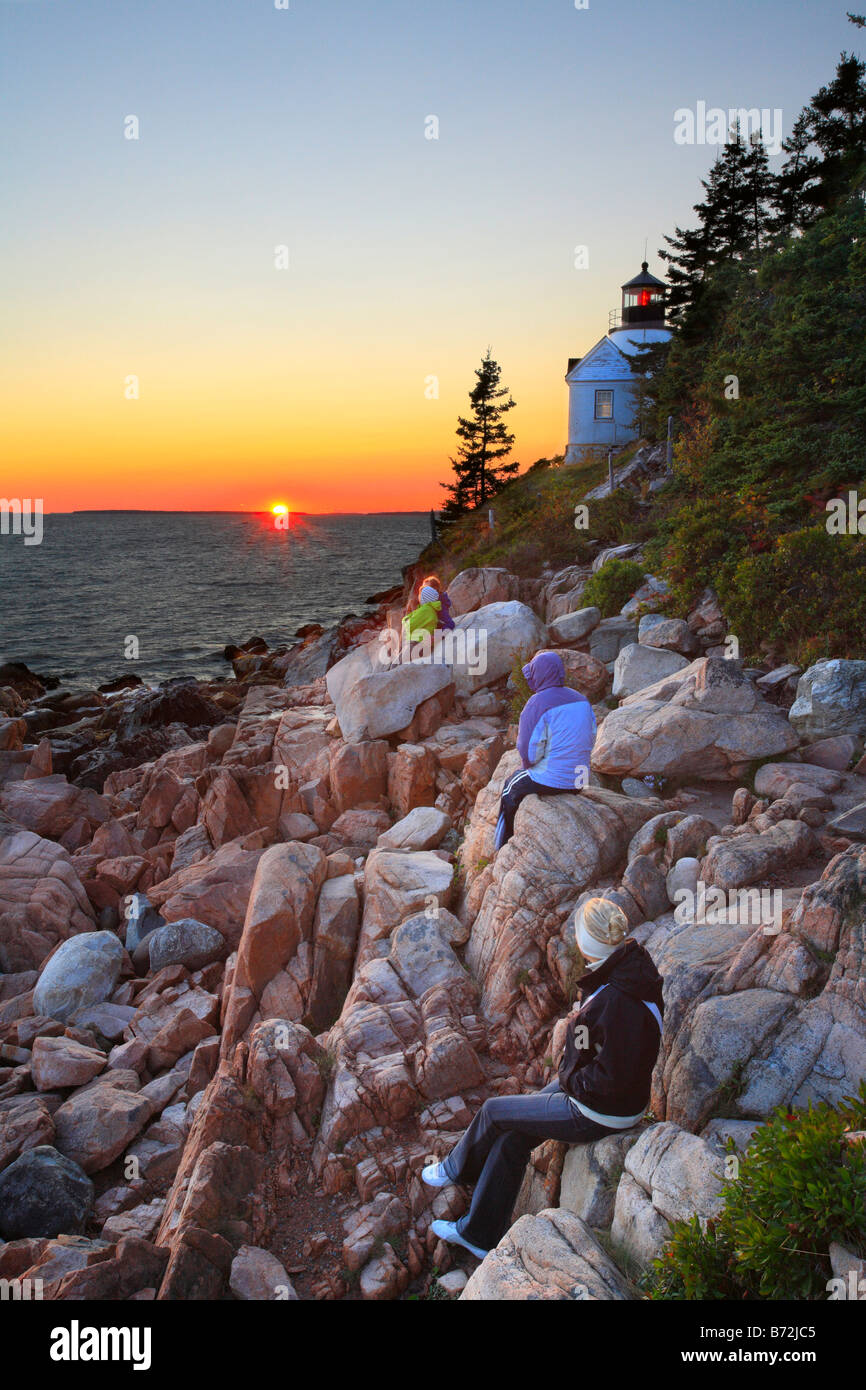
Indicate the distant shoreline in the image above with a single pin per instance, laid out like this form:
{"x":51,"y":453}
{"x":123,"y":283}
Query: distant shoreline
{"x":222,"y":511}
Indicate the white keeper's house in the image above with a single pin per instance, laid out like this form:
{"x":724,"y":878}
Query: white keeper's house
{"x":601,"y":386}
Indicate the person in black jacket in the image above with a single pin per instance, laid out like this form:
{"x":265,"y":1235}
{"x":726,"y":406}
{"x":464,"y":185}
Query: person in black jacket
{"x":603,"y":1085}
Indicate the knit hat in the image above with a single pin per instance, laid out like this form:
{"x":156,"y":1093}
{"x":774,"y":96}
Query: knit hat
{"x":599,"y":928}
{"x":428,"y":594}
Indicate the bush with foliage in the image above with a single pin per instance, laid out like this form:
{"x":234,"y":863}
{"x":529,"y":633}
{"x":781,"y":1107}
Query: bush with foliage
{"x":702,"y":543}
{"x":520,"y":683}
{"x":801,"y":1185}
{"x":613,"y":518}
{"x":612,"y":586}
{"x":808,"y":592}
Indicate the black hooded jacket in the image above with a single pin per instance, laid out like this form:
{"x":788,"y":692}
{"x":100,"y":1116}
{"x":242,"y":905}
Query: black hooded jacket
{"x":613,"y":1072}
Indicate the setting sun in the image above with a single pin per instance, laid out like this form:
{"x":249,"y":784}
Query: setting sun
{"x":280,"y":509}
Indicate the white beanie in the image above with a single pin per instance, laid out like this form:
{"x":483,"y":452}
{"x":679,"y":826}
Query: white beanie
{"x":600,"y":927}
{"x":427,"y":594}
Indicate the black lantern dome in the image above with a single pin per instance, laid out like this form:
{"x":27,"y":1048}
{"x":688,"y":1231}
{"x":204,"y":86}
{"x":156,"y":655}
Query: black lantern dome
{"x":643,"y":300}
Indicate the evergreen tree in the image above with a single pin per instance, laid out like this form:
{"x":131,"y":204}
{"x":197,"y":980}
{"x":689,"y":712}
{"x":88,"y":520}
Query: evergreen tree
{"x":479,"y":469}
{"x":793,"y":195}
{"x":735,"y":218}
{"x":760,"y":188}
{"x":838,"y":126}
{"x":827,"y":147}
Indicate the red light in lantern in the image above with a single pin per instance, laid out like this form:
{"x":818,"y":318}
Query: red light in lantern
{"x":644,"y":298}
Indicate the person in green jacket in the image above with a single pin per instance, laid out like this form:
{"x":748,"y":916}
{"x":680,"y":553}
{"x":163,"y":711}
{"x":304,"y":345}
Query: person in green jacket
{"x":423,"y":620}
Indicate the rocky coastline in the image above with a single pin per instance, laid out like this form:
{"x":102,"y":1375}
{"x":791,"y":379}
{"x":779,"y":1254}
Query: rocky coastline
{"x":259,"y":962}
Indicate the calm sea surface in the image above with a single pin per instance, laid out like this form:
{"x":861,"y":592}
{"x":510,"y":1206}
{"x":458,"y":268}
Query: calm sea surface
{"x":185,"y":584}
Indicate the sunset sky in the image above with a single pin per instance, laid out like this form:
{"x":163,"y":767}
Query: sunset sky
{"x":407,"y":256}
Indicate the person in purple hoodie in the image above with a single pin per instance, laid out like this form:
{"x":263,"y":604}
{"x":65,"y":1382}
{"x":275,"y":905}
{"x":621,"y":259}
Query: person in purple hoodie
{"x":554,"y":740}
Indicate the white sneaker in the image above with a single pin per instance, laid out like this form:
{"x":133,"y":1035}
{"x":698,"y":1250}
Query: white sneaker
{"x":447,"y":1230}
{"x":435,"y":1176}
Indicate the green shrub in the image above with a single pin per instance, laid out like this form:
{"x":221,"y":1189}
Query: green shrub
{"x":612,"y":586}
{"x":701,"y":544}
{"x":808,"y":592}
{"x":520,"y":683}
{"x":800,"y":1187}
{"x":613,"y":518}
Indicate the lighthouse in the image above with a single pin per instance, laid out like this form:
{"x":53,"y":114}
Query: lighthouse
{"x":602,"y":385}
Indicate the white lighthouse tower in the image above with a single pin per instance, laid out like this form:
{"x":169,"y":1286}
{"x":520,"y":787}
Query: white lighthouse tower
{"x":601,"y":385}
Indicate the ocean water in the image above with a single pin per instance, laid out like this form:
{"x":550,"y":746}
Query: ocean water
{"x":186,"y":584}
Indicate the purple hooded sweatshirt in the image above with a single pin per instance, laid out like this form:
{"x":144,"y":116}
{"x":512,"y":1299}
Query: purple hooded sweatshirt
{"x":545,"y":676}
{"x":445,"y":618}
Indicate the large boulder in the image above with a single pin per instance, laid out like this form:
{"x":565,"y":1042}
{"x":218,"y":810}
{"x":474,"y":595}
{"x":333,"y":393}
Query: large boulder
{"x":51,"y":806}
{"x":411,"y":777}
{"x":707,"y":1056}
{"x":819,"y":1052}
{"x":425,"y":827}
{"x":608,"y":639}
{"x":521,"y":902}
{"x":574,"y":627}
{"x":706,"y":720}
{"x":42,"y":900}
{"x":475,"y":588}
{"x":831,"y":699}
{"x":669,"y":1176}
{"x":397,"y":883}
{"x":256,"y":1274}
{"x":777,"y":780}
{"x":374,"y":699}
{"x":309,"y":661}
{"x":215,"y":890}
{"x":409,"y":1028}
{"x":760,"y":1019}
{"x":96,"y":1125}
{"x":278,"y":919}
{"x":25,"y":1123}
{"x":495,"y":635}
{"x":551,"y":1256}
{"x":637,"y":667}
{"x":83,"y":971}
{"x":359,"y":774}
{"x":335,"y":938}
{"x":185,"y":942}
{"x":63,"y":1062}
{"x":584,"y":673}
{"x":752,"y":858}
{"x":590,"y":1174}
{"x":670,"y":634}
{"x":43,"y":1193}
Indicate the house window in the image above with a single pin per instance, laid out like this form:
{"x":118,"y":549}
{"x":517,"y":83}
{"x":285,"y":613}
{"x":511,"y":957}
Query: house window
{"x":604,"y":405}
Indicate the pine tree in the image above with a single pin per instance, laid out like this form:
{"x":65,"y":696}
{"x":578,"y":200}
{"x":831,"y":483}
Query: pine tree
{"x":793,"y":196}
{"x":827,"y":147}
{"x":838,"y":126}
{"x":485,"y":440}
{"x":735,"y":220}
{"x":760,"y":188}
